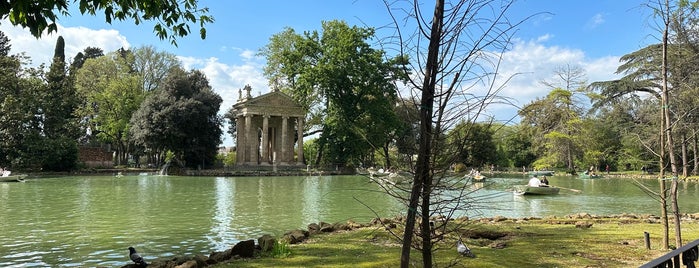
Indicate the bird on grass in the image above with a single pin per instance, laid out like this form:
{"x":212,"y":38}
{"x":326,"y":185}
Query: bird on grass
{"x":136,"y":258}
{"x":464,"y":250}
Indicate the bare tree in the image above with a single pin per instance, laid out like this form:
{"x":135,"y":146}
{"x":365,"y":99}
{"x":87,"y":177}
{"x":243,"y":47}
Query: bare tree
{"x":455,"y":56}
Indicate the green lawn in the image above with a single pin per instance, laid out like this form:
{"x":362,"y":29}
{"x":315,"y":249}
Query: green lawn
{"x":553,"y":242}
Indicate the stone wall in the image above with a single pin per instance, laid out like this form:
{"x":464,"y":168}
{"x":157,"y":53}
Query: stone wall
{"x":95,"y":157}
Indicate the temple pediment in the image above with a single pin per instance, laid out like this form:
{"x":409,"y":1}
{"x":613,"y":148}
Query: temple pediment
{"x":273,"y":103}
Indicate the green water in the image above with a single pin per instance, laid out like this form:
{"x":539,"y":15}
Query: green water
{"x":91,"y":221}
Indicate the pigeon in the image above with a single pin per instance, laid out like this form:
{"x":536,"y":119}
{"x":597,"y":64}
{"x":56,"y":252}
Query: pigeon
{"x":136,"y":258}
{"x":464,"y":250}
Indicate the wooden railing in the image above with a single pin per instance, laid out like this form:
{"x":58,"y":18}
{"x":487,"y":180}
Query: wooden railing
{"x":685,"y":255}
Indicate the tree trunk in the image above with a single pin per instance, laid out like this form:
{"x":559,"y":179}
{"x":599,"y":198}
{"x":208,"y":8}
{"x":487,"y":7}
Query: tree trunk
{"x":422,"y":181}
{"x":386,"y":155}
{"x":695,"y":153}
{"x":685,"y":163}
{"x":665,"y":104}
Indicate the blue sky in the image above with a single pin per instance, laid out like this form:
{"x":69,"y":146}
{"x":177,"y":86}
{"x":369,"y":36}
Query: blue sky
{"x":589,"y":34}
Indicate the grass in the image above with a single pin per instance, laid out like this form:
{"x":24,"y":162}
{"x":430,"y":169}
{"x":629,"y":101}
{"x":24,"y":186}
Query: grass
{"x":551,"y":242}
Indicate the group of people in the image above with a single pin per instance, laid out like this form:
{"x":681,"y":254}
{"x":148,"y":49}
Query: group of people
{"x":4,"y":172}
{"x":536,"y":182}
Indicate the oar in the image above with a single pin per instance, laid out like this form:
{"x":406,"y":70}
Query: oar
{"x":572,"y":190}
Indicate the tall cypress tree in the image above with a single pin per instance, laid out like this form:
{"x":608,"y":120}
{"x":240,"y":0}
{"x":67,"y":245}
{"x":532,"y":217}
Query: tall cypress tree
{"x":60,"y":124}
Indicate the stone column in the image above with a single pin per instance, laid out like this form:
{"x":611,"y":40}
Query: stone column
{"x":265,"y":140}
{"x":248,"y":139}
{"x":240,"y":140}
{"x":283,"y":158}
{"x":299,"y":131}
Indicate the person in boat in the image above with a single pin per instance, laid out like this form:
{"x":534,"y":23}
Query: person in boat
{"x":544,"y":182}
{"x":534,"y":182}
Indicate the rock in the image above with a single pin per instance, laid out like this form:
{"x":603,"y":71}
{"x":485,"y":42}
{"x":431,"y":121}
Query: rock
{"x":498,"y":245}
{"x":217,"y":257}
{"x":353,"y":225}
{"x":499,"y":218}
{"x":201,"y":260}
{"x":266,"y":242}
{"x":314,"y":228}
{"x":188,"y":264}
{"x":245,"y":249}
{"x":583,"y":224}
{"x":295,"y":236}
{"x":326,"y":227}
{"x":339,"y":226}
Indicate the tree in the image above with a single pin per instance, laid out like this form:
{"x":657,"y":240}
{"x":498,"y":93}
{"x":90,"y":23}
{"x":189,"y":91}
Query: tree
{"x":181,"y":116}
{"x":153,"y":66}
{"x":81,"y":57}
{"x":453,"y":53}
{"x":172,"y":18}
{"x":346,"y":85}
{"x":475,"y":143}
{"x":58,"y":104}
{"x":5,"y":45}
{"x":664,"y":83}
{"x":111,"y":93}
{"x":555,"y":121}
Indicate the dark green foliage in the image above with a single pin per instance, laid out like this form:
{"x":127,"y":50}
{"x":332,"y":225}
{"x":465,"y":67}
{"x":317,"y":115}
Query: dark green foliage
{"x":81,"y":57}
{"x":473,"y":144}
{"x":172,"y":18}
{"x":181,"y":116}
{"x":5,"y":45}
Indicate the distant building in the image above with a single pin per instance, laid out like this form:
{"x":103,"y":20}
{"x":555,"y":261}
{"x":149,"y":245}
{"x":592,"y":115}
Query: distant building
{"x":269,"y":129}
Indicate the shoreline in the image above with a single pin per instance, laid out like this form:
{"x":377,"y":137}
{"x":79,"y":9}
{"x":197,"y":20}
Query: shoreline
{"x":250,"y":251}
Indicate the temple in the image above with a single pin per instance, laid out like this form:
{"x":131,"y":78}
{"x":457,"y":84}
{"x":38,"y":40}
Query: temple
{"x":269,"y":130}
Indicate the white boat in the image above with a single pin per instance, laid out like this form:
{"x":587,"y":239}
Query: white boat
{"x":534,"y":190}
{"x":6,"y":177}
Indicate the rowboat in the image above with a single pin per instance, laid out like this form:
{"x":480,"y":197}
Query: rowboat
{"x":479,"y":178}
{"x":13,"y":178}
{"x":589,"y":176}
{"x":540,"y":173}
{"x":526,"y":189}
{"x":475,"y":178}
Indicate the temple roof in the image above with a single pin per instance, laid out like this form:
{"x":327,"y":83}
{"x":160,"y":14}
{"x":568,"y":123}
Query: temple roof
{"x":274,"y":103}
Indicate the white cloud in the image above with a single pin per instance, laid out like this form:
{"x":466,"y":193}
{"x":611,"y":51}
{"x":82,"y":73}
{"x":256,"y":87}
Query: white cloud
{"x":529,"y":62}
{"x":227,"y":79}
{"x":596,"y":20}
{"x":76,"y":40}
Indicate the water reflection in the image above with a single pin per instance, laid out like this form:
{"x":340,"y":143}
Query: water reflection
{"x":221,"y":235}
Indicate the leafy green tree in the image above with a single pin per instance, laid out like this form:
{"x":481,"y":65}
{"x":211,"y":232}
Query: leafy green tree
{"x":111,"y":94}
{"x":172,"y":18}
{"x":345,"y":84}
{"x":152,"y":65}
{"x":181,"y":116}
{"x":515,"y":143}
{"x":555,"y":121}
{"x":21,"y":136}
{"x":473,"y":143}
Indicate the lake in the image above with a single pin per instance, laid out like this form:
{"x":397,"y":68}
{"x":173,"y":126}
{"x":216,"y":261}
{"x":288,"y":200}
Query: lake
{"x":92,"y":220}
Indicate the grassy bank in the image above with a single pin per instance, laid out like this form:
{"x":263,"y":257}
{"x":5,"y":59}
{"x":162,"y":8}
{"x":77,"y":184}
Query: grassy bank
{"x":550,"y":242}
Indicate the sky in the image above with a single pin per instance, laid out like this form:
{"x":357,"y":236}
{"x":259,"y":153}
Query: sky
{"x":590,"y":34}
